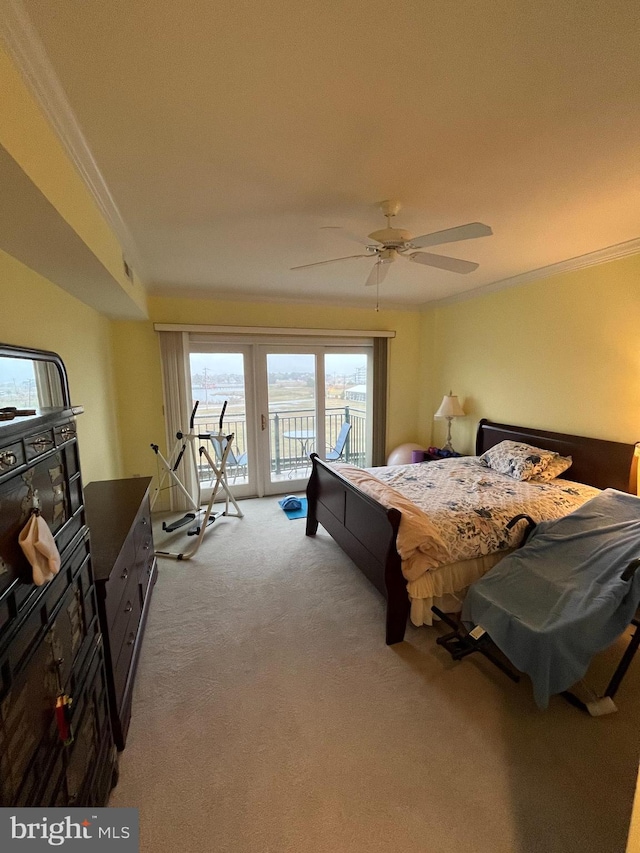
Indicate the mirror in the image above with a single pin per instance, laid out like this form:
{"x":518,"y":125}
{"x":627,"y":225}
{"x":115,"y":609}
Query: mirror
{"x":31,"y":380}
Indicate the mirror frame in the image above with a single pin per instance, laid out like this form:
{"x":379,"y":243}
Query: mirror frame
{"x":26,"y":353}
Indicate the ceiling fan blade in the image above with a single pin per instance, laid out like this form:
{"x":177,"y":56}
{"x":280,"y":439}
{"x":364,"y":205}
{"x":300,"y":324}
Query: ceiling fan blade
{"x":451,"y":235}
{"x":377,"y":275}
{"x":331,"y":261}
{"x":443,"y":262}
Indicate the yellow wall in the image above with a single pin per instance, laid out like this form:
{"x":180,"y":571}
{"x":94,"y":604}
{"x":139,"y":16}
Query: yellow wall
{"x":135,"y":343}
{"x":31,"y":141}
{"x":429,"y":380}
{"x":138,"y":377}
{"x":560,"y":354}
{"x":633,"y":842}
{"x":36,"y":313}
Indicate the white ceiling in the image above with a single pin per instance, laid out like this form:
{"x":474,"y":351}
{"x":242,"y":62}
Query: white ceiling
{"x":230,"y":134}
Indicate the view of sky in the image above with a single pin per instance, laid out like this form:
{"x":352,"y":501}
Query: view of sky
{"x":15,"y":369}
{"x":220,"y":363}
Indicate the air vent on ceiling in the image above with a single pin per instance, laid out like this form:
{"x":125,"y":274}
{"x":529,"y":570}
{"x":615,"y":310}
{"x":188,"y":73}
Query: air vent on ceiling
{"x":128,"y":271}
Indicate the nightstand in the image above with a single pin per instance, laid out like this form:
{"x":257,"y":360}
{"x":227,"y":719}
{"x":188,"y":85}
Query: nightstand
{"x":423,"y":456}
{"x":426,"y":456}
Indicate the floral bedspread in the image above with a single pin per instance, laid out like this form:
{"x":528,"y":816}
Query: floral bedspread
{"x":457,"y":509}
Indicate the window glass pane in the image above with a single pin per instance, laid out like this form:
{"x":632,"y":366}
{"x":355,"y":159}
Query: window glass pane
{"x":291,"y":379}
{"x":346,"y":403}
{"x":17,"y":383}
{"x":216,"y":377}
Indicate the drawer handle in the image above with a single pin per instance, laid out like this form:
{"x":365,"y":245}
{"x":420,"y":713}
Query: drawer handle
{"x":129,"y":607}
{"x":8,"y":459}
{"x":39,"y":443}
{"x":125,"y":574}
{"x":67,"y":431}
{"x":132,"y":637}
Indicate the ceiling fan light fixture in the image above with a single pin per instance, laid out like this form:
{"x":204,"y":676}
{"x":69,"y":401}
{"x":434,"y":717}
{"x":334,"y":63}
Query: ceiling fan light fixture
{"x":391,"y":236}
{"x":387,"y":256}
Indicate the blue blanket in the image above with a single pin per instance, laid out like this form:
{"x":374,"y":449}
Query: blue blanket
{"x":560,"y":599}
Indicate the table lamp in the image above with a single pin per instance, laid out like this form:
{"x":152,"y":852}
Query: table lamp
{"x":450,"y":408}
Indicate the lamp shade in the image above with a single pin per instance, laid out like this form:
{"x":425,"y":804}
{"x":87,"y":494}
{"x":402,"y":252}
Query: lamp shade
{"x":450,"y":407}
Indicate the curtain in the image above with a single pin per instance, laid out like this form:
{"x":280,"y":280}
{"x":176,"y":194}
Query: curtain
{"x":48,"y":384}
{"x":379,"y":403}
{"x":176,"y":382}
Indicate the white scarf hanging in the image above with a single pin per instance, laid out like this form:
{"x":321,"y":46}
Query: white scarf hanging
{"x":39,"y":547}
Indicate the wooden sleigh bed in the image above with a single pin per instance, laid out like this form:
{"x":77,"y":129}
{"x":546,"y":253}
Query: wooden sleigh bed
{"x":367,"y":531}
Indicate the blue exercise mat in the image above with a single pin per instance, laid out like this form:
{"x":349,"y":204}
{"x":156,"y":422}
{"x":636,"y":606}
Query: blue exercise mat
{"x":296,"y":512}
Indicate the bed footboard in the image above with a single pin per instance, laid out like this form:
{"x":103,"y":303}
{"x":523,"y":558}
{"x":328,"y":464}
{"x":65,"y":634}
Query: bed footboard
{"x":366,"y":531}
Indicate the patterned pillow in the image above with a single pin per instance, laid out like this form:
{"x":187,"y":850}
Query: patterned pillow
{"x":556,"y":467}
{"x":520,"y":461}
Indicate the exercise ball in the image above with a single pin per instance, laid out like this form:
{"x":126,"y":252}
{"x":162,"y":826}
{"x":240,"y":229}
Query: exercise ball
{"x":402,"y":454}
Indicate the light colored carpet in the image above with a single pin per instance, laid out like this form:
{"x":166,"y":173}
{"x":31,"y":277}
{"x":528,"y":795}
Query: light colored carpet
{"x":269,"y":716}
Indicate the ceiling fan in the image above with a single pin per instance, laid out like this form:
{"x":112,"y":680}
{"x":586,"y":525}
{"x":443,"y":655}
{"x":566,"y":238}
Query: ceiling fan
{"x":392,"y":243}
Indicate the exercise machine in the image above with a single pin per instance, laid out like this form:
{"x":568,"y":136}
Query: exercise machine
{"x":183,"y":450}
{"x":551,"y":605}
{"x":186,"y":443}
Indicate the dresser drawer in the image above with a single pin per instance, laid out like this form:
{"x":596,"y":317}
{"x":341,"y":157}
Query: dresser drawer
{"x":41,"y":442}
{"x":124,"y":660}
{"x":123,"y":573}
{"x":142,"y":527}
{"x":145,"y":567}
{"x":11,"y":457}
{"x":65,"y":432}
{"x":29,"y":622}
{"x":88,"y":722}
{"x":127,"y":618}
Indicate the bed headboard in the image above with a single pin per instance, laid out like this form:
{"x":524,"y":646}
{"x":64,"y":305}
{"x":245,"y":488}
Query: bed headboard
{"x":596,"y":462}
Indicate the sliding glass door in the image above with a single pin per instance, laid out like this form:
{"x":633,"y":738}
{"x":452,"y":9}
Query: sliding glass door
{"x":283,"y":402}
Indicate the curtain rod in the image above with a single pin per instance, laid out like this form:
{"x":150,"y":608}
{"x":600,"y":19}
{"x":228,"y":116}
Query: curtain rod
{"x":267,"y":330}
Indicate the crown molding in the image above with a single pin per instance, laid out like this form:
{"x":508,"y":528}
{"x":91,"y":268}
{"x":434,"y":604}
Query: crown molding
{"x":211,"y":294}
{"x":591,"y":259}
{"x":30,"y":57}
{"x":273,"y":330}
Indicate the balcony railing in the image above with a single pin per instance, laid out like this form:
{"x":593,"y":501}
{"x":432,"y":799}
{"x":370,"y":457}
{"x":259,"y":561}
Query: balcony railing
{"x":290,"y":453}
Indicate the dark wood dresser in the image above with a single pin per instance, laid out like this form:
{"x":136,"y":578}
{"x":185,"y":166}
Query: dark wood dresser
{"x":124,"y":564}
{"x":51,"y":649}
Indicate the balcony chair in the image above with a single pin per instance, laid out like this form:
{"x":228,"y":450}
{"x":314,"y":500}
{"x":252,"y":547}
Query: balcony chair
{"x":236,"y":462}
{"x":336,"y":452}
